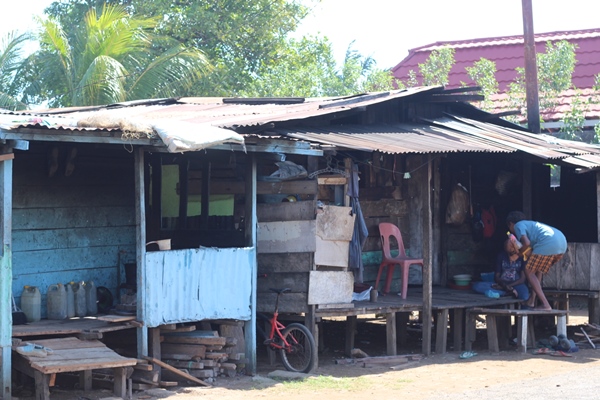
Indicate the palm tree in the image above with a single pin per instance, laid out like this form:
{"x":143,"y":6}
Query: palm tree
{"x":110,"y":60}
{"x":11,"y":46}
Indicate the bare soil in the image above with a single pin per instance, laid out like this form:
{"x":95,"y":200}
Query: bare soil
{"x":485,"y":375}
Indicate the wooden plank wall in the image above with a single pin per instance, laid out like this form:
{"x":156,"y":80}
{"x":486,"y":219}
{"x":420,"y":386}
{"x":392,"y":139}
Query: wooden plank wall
{"x":72,"y":228}
{"x":278,"y":268}
{"x":577,"y":270}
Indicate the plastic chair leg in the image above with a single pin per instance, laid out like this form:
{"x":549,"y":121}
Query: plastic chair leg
{"x":405,"y":269}
{"x":388,"y":279}
{"x":379,"y":275}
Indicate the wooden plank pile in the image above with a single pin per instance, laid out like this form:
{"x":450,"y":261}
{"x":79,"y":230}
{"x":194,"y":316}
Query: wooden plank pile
{"x":203,"y":354}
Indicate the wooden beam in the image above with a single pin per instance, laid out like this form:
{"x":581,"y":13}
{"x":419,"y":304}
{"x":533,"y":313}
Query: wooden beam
{"x":184,"y":181}
{"x":140,"y":225}
{"x":73,"y":136}
{"x":6,"y":168}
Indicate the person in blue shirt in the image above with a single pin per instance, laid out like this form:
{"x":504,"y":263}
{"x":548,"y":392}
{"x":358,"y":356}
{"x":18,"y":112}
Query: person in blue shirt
{"x":509,"y":276}
{"x":544,"y":244}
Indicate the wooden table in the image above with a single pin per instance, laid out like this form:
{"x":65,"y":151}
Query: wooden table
{"x":71,"y":355}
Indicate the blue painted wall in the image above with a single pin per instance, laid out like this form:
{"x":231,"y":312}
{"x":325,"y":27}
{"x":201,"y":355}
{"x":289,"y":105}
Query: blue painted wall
{"x":72,"y":228}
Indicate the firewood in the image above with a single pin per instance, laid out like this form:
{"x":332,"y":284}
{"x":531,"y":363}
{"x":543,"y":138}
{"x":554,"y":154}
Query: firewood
{"x":185,"y":364}
{"x":176,"y":371}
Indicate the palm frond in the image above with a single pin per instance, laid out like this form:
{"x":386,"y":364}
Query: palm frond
{"x":177,"y":69}
{"x":102,"y":83}
{"x":8,"y":102}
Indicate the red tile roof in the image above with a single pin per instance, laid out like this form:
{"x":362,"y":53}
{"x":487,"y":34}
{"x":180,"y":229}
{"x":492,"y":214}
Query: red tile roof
{"x":508,"y":53}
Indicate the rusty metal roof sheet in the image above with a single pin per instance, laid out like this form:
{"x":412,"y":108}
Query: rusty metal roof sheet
{"x":448,"y":135}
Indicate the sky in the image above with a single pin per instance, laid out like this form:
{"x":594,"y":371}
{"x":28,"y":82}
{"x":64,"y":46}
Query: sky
{"x":387,"y":29}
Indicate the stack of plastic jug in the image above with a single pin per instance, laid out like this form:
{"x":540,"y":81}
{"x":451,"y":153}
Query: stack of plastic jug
{"x":31,"y":303}
{"x":57,"y":301}
{"x":79,"y":299}
{"x":91,"y":298}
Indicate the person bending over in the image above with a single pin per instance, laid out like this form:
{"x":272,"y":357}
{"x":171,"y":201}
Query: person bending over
{"x":547,"y":246}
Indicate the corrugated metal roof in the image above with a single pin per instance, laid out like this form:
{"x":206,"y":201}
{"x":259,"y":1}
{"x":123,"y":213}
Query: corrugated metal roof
{"x":449,"y":135}
{"x":441,"y":135}
{"x":213,"y":111}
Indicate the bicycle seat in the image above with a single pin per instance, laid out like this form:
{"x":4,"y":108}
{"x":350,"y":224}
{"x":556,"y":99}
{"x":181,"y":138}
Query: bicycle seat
{"x":280,"y":291}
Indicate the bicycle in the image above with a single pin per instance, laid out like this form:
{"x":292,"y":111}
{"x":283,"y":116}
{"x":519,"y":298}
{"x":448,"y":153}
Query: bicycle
{"x":294,"y":342}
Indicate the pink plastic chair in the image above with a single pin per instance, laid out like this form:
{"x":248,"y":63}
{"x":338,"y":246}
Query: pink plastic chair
{"x":387,"y":230}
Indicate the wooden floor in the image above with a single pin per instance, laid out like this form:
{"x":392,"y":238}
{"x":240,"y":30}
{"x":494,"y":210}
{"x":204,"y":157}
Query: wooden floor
{"x":442,"y":298}
{"x":71,"y":326}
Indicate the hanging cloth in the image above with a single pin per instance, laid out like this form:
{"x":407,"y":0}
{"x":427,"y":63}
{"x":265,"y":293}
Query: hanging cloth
{"x":359,"y":236}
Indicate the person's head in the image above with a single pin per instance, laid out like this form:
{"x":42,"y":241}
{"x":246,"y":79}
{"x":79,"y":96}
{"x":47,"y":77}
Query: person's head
{"x":512,"y":218}
{"x":510,"y":248}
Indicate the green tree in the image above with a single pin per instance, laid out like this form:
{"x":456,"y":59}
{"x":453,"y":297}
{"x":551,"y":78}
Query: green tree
{"x":109,"y":58}
{"x":437,"y":68}
{"x":241,"y":38}
{"x":11,"y":46}
{"x":483,"y":73}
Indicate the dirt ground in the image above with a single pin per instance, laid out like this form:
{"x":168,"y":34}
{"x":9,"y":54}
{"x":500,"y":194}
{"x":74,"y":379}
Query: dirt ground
{"x":485,"y":375}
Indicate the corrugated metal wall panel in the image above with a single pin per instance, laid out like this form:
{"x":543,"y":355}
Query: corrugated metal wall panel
{"x":196,"y":284}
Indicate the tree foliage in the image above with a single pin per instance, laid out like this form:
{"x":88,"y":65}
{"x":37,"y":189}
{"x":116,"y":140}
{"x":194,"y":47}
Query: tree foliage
{"x":11,"y":46}
{"x":437,"y":68}
{"x":483,"y":73}
{"x":107,"y":59}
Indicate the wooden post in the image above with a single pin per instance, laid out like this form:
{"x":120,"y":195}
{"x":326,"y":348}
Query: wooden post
{"x":310,"y":320}
{"x":250,"y":232}
{"x":154,"y":348}
{"x":531,"y":79}
{"x":441,"y":333}
{"x":350,"y":329}
{"x":6,"y":168}
{"x":140,"y":219}
{"x":85,"y":380}
{"x":184,"y":183}
{"x":119,"y":384}
{"x":205,"y":199}
{"x":598,"y":203}
{"x":527,"y":189}
{"x":390,"y":334}
{"x":428,"y":259}
{"x":458,"y":320}
{"x":436,"y":273}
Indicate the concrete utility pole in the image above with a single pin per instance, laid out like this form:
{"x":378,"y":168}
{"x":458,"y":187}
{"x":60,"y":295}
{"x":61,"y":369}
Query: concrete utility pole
{"x":531,"y":80}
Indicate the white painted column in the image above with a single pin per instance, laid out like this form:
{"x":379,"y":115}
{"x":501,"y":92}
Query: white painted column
{"x":251,"y":224}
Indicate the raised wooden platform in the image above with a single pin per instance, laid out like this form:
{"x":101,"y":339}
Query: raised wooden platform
{"x":524,"y":324}
{"x":444,"y":302}
{"x":72,"y":355}
{"x":72,"y":326}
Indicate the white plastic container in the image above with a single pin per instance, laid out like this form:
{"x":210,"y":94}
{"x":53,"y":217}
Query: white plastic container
{"x":57,"y":301}
{"x":70,"y":300}
{"x":91,"y":298}
{"x":80,"y":305}
{"x":31,"y":303}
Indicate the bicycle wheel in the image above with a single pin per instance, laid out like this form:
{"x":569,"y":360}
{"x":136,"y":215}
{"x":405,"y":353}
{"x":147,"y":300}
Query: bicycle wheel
{"x":300,"y":355}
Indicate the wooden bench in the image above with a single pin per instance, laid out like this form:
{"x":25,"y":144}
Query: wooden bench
{"x":561,"y":297}
{"x":524,"y":325}
{"x":72,"y":355}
